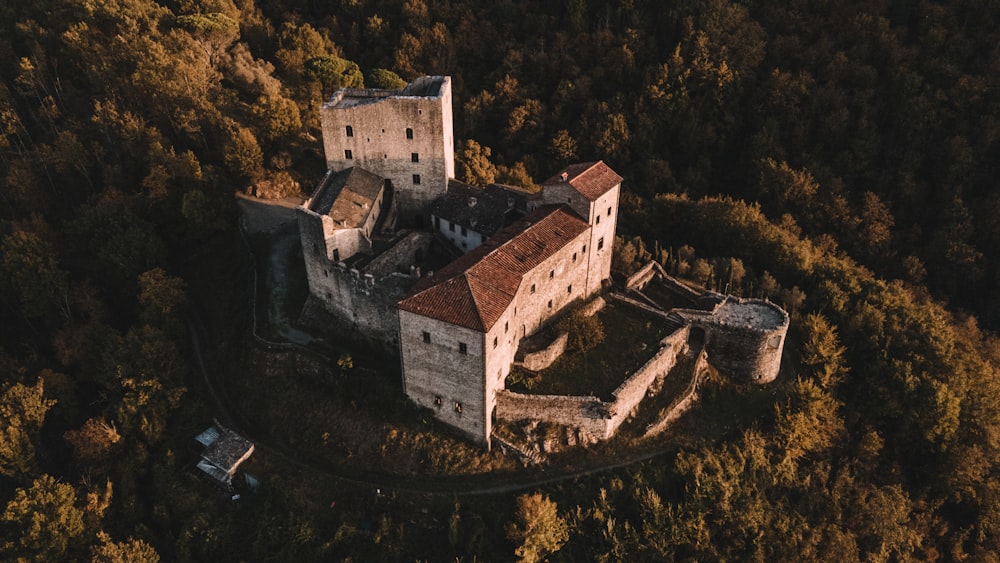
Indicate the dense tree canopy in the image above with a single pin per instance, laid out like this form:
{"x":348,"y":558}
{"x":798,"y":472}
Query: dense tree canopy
{"x":839,"y":159}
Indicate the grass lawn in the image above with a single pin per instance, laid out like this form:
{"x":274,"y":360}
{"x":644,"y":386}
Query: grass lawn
{"x":631,"y":337}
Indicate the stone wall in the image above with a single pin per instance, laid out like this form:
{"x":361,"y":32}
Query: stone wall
{"x":443,"y":366}
{"x":598,"y":418}
{"x":405,"y":136}
{"x":537,"y":361}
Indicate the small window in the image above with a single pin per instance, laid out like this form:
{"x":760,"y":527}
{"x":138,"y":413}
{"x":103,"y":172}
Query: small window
{"x":505,"y":326}
{"x":584,"y":249}
{"x":427,"y":336}
{"x":438,"y":401}
{"x":600,"y":243}
{"x":494,"y":341}
{"x":574,"y":256}
{"x":350,"y":131}
{"x":451,"y":227}
{"x":552,"y":274}
{"x":462,"y":348}
{"x":465,"y":232}
{"x":458,"y":408}
{"x":550,"y":303}
{"x":532,"y":288}
{"x":598,"y":219}
{"x":409,"y":133}
{"x":569,"y":289}
{"x":609,"y":212}
{"x":348,"y":154}
{"x":416,"y":179}
{"x":336,"y":255}
{"x":414,"y":157}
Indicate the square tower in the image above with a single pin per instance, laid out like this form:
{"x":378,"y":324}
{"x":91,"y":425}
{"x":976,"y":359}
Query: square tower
{"x":404,"y":136}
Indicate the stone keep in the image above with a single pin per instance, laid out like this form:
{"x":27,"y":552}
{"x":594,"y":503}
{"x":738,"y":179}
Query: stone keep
{"x":404,"y":136}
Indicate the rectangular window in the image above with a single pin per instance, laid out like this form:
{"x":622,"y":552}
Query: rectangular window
{"x":505,"y":326}
{"x":409,"y":133}
{"x":350,"y":131}
{"x":458,"y":408}
{"x":574,"y":256}
{"x":550,"y":303}
{"x":584,"y":249}
{"x":438,"y":401}
{"x":451,"y":227}
{"x":414,"y":157}
{"x":600,"y":243}
{"x":427,"y":336}
{"x":494,"y":341}
{"x":465,"y":232}
{"x":569,"y":289}
{"x":598,"y":219}
{"x":348,"y":155}
{"x":552,"y":273}
{"x":462,"y":348}
{"x":416,"y":179}
{"x":609,"y":212}
{"x":532,"y":288}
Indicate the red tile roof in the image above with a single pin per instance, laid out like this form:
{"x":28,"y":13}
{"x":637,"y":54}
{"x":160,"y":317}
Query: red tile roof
{"x":591,"y":179}
{"x":475,"y":290}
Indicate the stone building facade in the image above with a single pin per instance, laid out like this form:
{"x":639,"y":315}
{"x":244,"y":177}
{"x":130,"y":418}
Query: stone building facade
{"x":452,"y":277}
{"x":405,"y":136}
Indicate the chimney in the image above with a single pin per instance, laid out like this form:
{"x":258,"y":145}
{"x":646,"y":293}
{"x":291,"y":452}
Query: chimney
{"x":564,"y":176}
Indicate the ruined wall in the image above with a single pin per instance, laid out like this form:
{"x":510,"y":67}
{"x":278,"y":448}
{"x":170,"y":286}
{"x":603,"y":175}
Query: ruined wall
{"x":600,"y":419}
{"x":405,"y":137}
{"x":439,"y":375}
{"x":537,"y":361}
{"x":404,"y":253}
{"x":588,"y":414}
{"x":744,"y":337}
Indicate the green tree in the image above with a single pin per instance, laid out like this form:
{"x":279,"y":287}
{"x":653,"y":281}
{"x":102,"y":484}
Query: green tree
{"x":473,"y":163}
{"x":538,"y":529}
{"x":585,"y":331}
{"x":30,"y":271}
{"x":46,"y":519}
{"x":384,"y":79}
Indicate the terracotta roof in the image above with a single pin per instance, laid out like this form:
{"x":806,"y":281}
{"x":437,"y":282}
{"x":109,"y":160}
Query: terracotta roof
{"x":347,"y":196}
{"x":475,"y":290}
{"x":591,"y":179}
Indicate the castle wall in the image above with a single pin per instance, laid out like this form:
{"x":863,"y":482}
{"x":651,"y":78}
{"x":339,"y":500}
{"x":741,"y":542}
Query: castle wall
{"x":598,"y":418}
{"x":439,"y":376}
{"x":537,"y":361}
{"x":603,"y":221}
{"x":552,"y":285}
{"x":407,"y":139}
{"x":744,"y":338}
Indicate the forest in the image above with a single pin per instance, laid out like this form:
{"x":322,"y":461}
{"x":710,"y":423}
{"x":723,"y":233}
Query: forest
{"x":838,"y":158}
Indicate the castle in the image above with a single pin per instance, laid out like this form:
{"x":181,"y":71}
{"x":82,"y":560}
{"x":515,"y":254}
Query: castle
{"x":451,"y":276}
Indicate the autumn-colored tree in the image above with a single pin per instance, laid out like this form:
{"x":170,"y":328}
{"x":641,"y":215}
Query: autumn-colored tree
{"x":538,"y":530}
{"x":22,"y":413}
{"x":45,"y":519}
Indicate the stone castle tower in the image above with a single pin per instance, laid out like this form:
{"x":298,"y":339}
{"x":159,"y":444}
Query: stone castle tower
{"x":404,"y":136}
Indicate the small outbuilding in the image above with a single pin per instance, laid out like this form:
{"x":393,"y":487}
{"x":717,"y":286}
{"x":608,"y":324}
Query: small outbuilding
{"x":224,"y":451}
